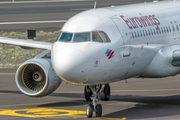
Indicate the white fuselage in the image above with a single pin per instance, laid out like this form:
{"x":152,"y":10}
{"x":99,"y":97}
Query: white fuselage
{"x":140,"y":34}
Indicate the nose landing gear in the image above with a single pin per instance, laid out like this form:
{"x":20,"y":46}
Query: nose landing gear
{"x":93,"y":92}
{"x":95,"y":98}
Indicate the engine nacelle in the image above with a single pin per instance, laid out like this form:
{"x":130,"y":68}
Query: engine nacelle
{"x":165,"y":63}
{"x":36,"y":77}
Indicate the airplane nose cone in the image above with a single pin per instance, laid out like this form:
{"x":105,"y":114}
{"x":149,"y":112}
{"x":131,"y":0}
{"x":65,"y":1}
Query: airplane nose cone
{"x":69,"y":64}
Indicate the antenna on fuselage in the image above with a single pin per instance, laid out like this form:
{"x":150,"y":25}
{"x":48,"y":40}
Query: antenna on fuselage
{"x":95,"y":5}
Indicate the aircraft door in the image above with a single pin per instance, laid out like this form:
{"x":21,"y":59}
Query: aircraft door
{"x":174,"y":31}
{"x":125,"y":36}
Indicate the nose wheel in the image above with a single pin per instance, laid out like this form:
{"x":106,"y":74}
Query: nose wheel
{"x":93,"y":92}
{"x":95,"y":98}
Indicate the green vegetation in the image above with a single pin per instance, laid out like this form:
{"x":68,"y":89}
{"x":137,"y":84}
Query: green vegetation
{"x":41,"y":32}
{"x":33,"y":55}
{"x":4,"y":34}
{"x":18,"y":48}
{"x":18,"y":35}
{"x":12,"y":50}
{"x":12,"y":34}
{"x":56,"y":32}
{"x":13,"y":58}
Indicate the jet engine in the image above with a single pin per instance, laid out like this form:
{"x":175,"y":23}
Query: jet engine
{"x":36,"y":77}
{"x":165,"y":63}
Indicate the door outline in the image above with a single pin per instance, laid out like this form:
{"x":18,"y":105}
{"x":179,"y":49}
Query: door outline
{"x":124,"y":34}
{"x":177,"y":28}
{"x":174,"y":31}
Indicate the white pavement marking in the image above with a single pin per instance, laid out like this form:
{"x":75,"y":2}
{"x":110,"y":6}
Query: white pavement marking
{"x":30,"y":22}
{"x":41,"y":1}
{"x":81,"y":8}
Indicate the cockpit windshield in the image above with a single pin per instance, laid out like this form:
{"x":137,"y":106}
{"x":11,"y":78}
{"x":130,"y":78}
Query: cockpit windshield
{"x":96,"y":36}
{"x":81,"y":37}
{"x":66,"y":37}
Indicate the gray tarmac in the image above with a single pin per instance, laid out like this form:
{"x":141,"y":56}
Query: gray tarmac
{"x":47,"y":11}
{"x":139,"y":99}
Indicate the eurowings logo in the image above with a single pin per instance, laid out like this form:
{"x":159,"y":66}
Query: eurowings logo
{"x":109,"y":53}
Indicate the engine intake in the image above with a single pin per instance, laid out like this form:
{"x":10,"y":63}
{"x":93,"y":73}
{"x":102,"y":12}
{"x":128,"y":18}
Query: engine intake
{"x":37,"y":78}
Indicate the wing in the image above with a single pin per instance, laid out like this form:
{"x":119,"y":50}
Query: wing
{"x":26,"y":43}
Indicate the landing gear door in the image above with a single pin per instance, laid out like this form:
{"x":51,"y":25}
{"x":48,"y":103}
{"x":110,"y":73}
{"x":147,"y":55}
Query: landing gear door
{"x":125,"y":36}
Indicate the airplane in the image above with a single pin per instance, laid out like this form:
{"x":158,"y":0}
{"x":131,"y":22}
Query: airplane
{"x":104,"y":45}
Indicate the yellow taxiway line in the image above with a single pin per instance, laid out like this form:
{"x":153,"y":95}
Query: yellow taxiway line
{"x":49,"y":113}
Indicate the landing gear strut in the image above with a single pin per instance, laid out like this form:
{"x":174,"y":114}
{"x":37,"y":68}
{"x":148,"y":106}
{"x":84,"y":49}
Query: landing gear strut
{"x":104,"y":93}
{"x":95,"y":98}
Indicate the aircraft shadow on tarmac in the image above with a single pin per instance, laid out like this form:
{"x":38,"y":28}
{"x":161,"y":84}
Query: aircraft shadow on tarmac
{"x":7,"y":91}
{"x":65,"y":103}
{"x":71,"y":95}
{"x":147,"y":107}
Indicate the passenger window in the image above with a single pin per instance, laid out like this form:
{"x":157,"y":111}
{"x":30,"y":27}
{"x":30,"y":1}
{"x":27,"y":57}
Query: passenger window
{"x":173,"y":28}
{"x":146,"y":33}
{"x":66,"y":37}
{"x":177,"y":27}
{"x":154,"y":31}
{"x":169,"y":29}
{"x":96,"y":37}
{"x":135,"y":34}
{"x":164,"y":30}
{"x":151,"y":32}
{"x":104,"y":36}
{"x":141,"y":33}
{"x":132,"y":34}
{"x":81,"y":37}
{"x":138,"y":34}
{"x":159,"y":30}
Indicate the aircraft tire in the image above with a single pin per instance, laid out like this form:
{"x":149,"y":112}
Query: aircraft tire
{"x":89,"y":110}
{"x":87,"y":94}
{"x":98,"y":110}
{"x":106,"y":93}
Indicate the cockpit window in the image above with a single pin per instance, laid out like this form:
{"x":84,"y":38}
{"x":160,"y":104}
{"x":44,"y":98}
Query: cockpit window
{"x":104,"y":36}
{"x":81,"y":37}
{"x":96,"y":37}
{"x":66,"y":37}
